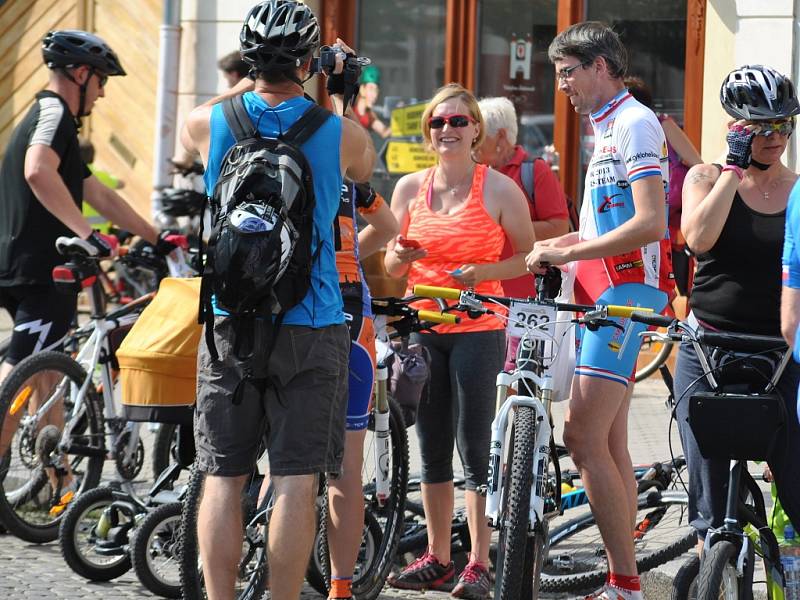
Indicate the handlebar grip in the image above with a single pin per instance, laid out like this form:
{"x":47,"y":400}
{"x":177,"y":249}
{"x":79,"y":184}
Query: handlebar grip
{"x":625,"y":312}
{"x":437,"y":317}
{"x":431,"y":291}
{"x":652,"y":319}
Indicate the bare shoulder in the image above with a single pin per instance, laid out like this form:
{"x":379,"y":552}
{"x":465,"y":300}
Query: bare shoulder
{"x":407,"y":187}
{"x":702,"y":174}
{"x":502,"y":189}
{"x":199,"y":120}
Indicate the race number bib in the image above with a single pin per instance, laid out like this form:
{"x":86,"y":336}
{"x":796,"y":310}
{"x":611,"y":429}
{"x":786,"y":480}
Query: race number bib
{"x":537,"y":319}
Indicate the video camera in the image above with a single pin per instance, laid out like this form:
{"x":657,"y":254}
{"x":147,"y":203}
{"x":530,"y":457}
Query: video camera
{"x":327,"y":61}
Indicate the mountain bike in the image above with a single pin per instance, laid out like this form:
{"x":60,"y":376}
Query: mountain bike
{"x":751,"y":415}
{"x":60,"y":413}
{"x":523,"y":491}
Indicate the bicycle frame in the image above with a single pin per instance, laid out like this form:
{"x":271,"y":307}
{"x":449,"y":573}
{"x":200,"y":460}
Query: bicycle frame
{"x":96,"y":351}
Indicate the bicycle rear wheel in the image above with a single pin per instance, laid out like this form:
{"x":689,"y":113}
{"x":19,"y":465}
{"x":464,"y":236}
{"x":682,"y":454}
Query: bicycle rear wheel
{"x":29,"y":484}
{"x":576,"y":560}
{"x":516,"y":549}
{"x":383,"y":525}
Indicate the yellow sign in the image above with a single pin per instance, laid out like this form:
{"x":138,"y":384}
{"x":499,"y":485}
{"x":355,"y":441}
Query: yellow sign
{"x":407,"y":157}
{"x":406,"y":121}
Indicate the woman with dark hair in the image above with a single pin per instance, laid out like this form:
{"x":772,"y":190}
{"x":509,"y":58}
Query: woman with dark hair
{"x":733,"y":220}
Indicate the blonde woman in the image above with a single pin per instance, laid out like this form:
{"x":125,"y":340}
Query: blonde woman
{"x":454,"y":219}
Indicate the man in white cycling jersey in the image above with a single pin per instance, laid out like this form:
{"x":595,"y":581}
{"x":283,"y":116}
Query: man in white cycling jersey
{"x":623,"y":257}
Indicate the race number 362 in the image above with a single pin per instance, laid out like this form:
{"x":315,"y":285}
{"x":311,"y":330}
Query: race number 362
{"x":537,"y":319}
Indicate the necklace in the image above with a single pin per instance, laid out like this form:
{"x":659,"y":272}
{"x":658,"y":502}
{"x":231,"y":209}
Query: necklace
{"x":770,"y":186}
{"x":455,"y":188}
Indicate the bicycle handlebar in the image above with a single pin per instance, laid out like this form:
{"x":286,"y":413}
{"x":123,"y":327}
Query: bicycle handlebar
{"x":651,"y":319}
{"x":437,"y":317}
{"x":611,"y":310}
{"x":432,"y":291}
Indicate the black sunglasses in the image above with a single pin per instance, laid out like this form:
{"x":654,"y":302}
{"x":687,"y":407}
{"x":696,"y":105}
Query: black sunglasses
{"x":452,"y":120}
{"x":567,"y":71}
{"x":102,"y":79}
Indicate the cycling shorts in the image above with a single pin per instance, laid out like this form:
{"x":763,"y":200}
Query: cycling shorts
{"x":362,"y":365}
{"x":42,"y":317}
{"x":611,"y":353}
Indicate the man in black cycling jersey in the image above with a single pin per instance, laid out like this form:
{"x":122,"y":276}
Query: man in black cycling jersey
{"x":44,"y":181}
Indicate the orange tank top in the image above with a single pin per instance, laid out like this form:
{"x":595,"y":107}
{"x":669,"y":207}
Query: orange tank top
{"x":467,"y":236}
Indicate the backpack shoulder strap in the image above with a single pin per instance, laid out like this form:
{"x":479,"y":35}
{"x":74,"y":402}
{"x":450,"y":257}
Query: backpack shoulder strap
{"x":528,"y":181}
{"x":306,"y":125}
{"x":239,"y":121}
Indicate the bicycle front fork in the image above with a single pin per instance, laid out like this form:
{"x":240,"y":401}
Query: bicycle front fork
{"x":494,"y":484}
{"x":382,"y":435}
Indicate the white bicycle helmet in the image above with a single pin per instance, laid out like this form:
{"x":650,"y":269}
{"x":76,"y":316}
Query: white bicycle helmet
{"x":758,"y":93}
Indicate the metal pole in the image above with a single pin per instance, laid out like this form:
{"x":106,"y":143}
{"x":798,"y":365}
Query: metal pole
{"x":166,"y":98}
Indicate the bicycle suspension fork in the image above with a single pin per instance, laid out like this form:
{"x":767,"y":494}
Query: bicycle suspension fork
{"x":382,"y":434}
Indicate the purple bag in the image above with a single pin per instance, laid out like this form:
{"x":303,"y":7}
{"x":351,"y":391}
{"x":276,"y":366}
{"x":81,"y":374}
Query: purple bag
{"x":408,"y":379}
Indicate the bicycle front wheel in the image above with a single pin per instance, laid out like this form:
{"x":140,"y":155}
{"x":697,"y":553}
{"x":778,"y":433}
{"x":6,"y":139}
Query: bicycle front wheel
{"x":718,"y":577}
{"x":576,"y":560}
{"x":35,"y":465}
{"x":516,"y":549}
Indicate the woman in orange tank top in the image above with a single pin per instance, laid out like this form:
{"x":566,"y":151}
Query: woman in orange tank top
{"x":454,"y":219}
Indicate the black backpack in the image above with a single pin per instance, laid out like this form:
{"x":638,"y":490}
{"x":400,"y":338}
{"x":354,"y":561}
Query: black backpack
{"x":259,"y":255}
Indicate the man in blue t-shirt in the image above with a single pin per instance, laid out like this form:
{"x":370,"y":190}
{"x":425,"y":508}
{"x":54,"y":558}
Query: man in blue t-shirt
{"x":302,"y":415}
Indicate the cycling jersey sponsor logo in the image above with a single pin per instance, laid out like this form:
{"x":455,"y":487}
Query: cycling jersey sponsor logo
{"x":608,"y":150}
{"x":623,"y":185}
{"x":641,"y":156}
{"x":631,"y":264}
{"x":608,"y":203}
{"x":615,"y":346}
{"x":609,"y":129}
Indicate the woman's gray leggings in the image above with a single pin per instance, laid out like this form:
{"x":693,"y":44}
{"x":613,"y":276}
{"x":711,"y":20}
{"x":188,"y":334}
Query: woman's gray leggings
{"x":460,"y":406}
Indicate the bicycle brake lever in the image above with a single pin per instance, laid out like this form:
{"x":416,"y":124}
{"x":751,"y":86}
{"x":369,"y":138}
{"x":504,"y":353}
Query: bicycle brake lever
{"x":595,"y":324}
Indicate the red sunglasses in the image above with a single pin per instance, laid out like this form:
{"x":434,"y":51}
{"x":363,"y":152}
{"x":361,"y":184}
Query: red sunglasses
{"x":452,"y":120}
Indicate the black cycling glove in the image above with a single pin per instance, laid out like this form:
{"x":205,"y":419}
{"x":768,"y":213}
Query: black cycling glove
{"x":740,"y":142}
{"x":163,"y":245}
{"x":101,"y":247}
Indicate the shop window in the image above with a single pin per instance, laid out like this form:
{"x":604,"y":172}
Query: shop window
{"x":654,"y":33}
{"x":512,"y":61}
{"x":406,"y":41}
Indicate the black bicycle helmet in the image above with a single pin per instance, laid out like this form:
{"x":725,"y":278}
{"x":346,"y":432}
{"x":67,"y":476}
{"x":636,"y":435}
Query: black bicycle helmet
{"x":758,"y":93}
{"x":278,"y":35}
{"x":181,"y":203}
{"x":72,"y":47}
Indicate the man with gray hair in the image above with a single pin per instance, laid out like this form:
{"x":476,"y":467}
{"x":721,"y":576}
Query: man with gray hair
{"x":547,"y":203}
{"x":622,"y":252}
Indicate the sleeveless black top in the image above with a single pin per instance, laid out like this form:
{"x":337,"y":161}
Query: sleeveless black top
{"x":737,"y":286}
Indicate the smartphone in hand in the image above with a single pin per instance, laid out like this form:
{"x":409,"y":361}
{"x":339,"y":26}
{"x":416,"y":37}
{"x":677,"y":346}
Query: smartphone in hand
{"x":409,"y":244}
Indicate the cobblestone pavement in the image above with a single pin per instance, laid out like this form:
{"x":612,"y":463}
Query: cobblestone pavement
{"x":29,"y":571}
